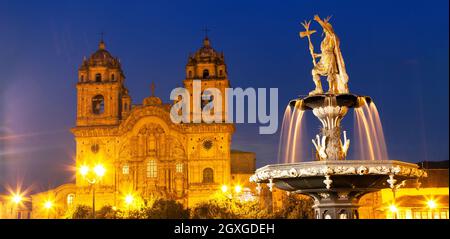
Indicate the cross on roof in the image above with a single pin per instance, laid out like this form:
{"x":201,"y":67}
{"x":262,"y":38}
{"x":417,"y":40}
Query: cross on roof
{"x":102,"y":34}
{"x":152,"y":88}
{"x":206,"y":30}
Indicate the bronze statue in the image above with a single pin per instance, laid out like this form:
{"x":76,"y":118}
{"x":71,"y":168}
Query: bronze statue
{"x":331,"y":63}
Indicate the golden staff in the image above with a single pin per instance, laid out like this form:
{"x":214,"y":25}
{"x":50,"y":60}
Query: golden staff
{"x":308,"y":34}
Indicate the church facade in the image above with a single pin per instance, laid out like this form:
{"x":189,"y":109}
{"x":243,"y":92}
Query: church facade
{"x":142,"y":151}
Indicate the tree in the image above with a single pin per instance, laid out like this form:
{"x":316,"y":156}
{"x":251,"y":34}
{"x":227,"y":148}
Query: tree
{"x":296,"y":206}
{"x":165,"y":209}
{"x":107,"y":212}
{"x":211,"y":210}
{"x":82,"y":212}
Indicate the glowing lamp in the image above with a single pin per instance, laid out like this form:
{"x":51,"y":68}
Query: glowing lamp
{"x":99,"y":170}
{"x":84,"y":170}
{"x":224,"y":188}
{"x":393,"y":208}
{"x":17,"y":199}
{"x":238,"y":188}
{"x":48,"y":205}
{"x":129,"y":199}
{"x":431,"y":204}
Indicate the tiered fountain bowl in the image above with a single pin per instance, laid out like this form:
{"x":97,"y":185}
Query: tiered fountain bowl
{"x":335,"y":184}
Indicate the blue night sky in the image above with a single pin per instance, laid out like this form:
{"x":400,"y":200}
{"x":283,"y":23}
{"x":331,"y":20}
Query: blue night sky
{"x":395,"y":51}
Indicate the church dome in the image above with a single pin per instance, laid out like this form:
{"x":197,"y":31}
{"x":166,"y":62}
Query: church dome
{"x":152,"y":100}
{"x":206,"y":54}
{"x":102,"y":57}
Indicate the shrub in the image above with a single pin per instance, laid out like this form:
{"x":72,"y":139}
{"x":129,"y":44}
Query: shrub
{"x":82,"y":212}
{"x":107,"y":212}
{"x":165,"y":209}
{"x":211,"y":210}
{"x":296,"y":206}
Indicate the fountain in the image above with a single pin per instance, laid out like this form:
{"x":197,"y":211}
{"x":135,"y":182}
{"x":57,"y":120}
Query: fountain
{"x":335,"y":183}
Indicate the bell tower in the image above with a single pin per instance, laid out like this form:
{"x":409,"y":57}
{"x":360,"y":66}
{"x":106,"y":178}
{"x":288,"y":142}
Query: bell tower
{"x":102,"y":98}
{"x":208,"y":66}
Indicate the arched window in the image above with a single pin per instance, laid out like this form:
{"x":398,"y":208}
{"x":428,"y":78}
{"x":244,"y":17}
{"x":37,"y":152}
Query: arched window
{"x":98,"y":77}
{"x":70,"y":199}
{"x":113,"y":77}
{"x":205,"y":73}
{"x":82,"y":78}
{"x":125,"y":107}
{"x":208,"y":175}
{"x":98,"y":104}
{"x":152,"y":170}
{"x":190,"y":74}
{"x":220,"y":72}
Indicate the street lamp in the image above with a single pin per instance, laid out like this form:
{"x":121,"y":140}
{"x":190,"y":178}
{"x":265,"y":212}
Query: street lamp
{"x":16,"y":199}
{"x":393,"y":210}
{"x":238,"y":188}
{"x":48,"y":206}
{"x":93,"y":176}
{"x":129,"y":199}
{"x":432,"y":205}
{"x":224,"y":188}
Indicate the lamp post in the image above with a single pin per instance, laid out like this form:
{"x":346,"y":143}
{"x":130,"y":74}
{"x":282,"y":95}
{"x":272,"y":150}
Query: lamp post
{"x":129,"y":199}
{"x":93,"y":176}
{"x":432,"y":205}
{"x":48,"y":206}
{"x":16,"y":199}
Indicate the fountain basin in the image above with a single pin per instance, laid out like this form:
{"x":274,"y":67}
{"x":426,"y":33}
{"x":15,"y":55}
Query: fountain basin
{"x":337,"y":186}
{"x":315,"y":101}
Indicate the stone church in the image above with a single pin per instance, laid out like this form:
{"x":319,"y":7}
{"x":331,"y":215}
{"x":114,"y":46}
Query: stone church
{"x":142,"y":151}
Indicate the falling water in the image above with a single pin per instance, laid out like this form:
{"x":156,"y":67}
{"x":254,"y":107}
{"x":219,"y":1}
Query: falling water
{"x":290,"y":147}
{"x":369,"y":134}
{"x":284,"y":131}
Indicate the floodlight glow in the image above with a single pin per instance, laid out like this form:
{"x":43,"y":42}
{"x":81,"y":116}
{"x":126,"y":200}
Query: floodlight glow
{"x":99,"y":170}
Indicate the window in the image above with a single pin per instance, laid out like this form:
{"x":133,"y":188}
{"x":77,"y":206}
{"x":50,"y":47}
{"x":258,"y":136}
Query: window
{"x":113,"y":78}
{"x":179,"y":167}
{"x":98,"y":104}
{"x":152,"y":170}
{"x":126,"y":169}
{"x":342,"y":214}
{"x":98,"y":77}
{"x":220,"y":72}
{"x":190,"y":74}
{"x":208,"y":175}
{"x":82,"y":78}
{"x":70,"y":199}
{"x":207,"y":144}
{"x":205,"y":73}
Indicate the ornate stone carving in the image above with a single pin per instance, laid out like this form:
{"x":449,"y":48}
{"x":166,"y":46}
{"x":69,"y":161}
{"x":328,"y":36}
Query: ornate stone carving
{"x":323,"y":168}
{"x":328,"y":181}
